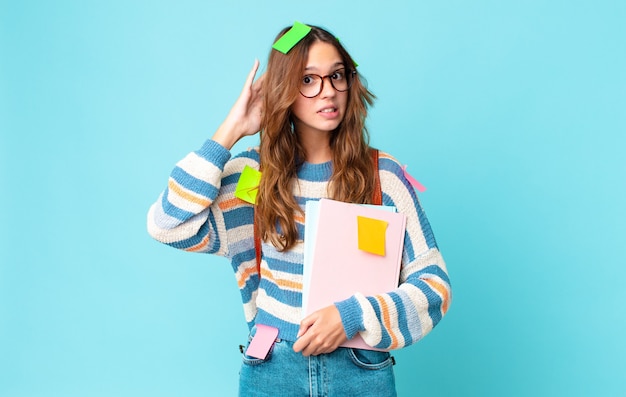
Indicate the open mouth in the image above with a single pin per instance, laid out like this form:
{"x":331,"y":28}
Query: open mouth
{"x":328,"y":110}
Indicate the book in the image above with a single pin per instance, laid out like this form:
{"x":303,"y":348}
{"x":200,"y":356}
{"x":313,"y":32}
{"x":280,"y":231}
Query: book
{"x":350,"y":248}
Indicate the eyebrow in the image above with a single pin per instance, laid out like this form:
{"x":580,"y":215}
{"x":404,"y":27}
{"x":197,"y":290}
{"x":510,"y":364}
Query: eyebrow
{"x":334,"y":65}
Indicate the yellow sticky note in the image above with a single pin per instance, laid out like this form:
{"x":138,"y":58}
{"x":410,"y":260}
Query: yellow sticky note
{"x":372,"y":235}
{"x":248,"y":185}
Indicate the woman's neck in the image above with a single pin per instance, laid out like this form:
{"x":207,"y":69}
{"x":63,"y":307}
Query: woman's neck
{"x":316,"y":146}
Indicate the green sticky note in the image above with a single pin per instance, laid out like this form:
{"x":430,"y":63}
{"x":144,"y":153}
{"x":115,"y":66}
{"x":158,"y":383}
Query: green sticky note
{"x":371,"y":235}
{"x":292,"y":37}
{"x":248,"y":185}
{"x":356,"y":65}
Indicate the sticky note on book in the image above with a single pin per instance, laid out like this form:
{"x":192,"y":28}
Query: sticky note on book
{"x":248,"y":185}
{"x":372,"y":235}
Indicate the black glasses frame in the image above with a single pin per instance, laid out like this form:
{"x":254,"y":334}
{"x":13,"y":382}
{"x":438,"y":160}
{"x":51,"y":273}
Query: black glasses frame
{"x":349,"y":75}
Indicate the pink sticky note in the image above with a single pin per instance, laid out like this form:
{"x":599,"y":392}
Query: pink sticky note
{"x":262,"y":341}
{"x":420,"y":188}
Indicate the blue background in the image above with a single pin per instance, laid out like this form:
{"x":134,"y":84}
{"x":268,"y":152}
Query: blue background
{"x":512,"y":113}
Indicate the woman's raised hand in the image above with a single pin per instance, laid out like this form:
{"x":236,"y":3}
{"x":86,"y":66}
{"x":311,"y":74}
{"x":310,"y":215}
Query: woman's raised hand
{"x":244,"y":117}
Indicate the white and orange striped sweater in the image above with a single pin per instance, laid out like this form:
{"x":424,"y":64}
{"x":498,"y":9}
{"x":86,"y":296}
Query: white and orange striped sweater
{"x":198,"y":212}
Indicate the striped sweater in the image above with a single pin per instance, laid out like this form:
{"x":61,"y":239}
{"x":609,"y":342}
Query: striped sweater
{"x":198,"y":212}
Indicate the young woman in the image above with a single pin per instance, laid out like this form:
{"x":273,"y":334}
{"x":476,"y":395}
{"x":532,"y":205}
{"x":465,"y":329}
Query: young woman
{"x":310,"y":108}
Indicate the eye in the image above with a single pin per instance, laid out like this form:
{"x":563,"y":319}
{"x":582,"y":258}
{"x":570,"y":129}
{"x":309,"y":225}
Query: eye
{"x":307,"y":79}
{"x":338,"y":75}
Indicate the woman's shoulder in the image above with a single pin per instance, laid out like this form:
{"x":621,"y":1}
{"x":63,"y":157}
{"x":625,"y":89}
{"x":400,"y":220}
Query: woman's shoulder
{"x":392,"y":173}
{"x":251,"y":153}
{"x":249,"y":157}
{"x":388,"y":163}
{"x":394,"y":181}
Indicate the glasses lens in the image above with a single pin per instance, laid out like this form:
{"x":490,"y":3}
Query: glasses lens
{"x":340,"y":80}
{"x":311,"y":85}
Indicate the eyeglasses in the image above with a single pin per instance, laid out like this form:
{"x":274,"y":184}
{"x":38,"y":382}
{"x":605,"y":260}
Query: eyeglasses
{"x":313,"y":84}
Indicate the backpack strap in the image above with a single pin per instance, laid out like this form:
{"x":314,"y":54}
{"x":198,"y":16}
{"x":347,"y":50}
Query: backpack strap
{"x":377,"y":199}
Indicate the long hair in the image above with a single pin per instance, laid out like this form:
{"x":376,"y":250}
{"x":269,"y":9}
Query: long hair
{"x":281,"y":152}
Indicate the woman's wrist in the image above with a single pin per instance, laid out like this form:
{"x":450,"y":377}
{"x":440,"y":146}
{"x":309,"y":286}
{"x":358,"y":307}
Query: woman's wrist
{"x":226,"y":135}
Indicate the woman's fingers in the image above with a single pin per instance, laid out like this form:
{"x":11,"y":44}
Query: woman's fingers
{"x":251,"y":74}
{"x":320,"y":332}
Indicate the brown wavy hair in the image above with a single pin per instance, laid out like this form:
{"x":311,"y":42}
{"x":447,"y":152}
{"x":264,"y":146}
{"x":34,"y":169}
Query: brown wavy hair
{"x":281,"y":152}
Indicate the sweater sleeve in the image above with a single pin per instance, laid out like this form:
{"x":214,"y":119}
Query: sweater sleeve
{"x":405,"y":315}
{"x":198,"y":211}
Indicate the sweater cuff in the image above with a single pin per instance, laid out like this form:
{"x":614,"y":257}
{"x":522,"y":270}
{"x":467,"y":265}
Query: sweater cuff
{"x":351,"y":316}
{"x":215,"y":153}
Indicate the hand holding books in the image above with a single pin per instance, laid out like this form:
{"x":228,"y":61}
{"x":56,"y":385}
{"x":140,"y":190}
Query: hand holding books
{"x":349,"y":248}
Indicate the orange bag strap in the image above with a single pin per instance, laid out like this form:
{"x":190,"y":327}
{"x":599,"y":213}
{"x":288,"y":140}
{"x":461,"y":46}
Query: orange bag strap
{"x":377,"y":199}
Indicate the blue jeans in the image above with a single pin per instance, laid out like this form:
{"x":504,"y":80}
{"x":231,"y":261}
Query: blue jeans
{"x":344,"y":372}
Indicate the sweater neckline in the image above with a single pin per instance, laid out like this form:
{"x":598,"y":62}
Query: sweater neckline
{"x":315,"y":172}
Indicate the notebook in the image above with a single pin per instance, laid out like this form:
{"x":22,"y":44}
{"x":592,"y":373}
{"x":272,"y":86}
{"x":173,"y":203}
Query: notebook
{"x":338,"y":262}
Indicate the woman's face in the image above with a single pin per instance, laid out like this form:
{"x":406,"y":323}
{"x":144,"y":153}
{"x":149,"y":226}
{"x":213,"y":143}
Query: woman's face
{"x":324,"y":112}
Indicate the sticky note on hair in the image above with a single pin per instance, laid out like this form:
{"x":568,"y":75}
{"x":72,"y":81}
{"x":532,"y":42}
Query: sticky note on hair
{"x":356,"y":65}
{"x":262,"y":341}
{"x":248,"y":185}
{"x":420,"y":188}
{"x":297,"y":32}
{"x":372,"y":235}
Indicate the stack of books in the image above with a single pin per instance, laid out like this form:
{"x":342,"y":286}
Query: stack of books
{"x":348,"y":249}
